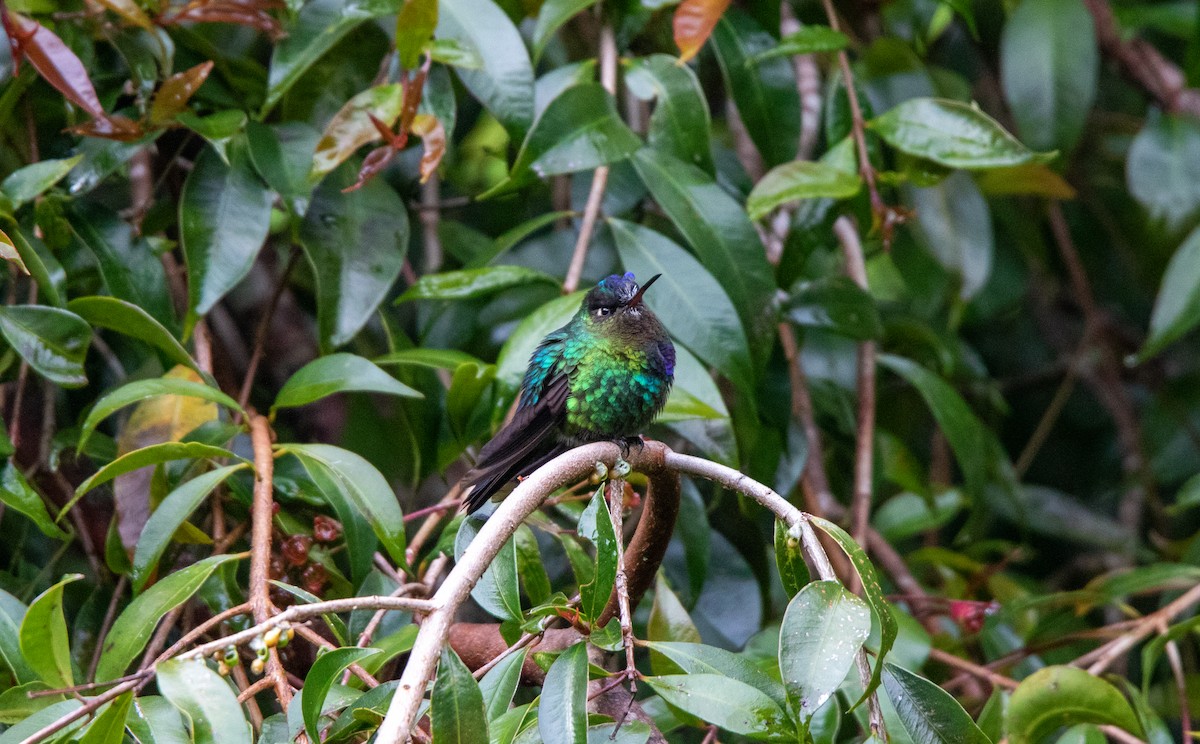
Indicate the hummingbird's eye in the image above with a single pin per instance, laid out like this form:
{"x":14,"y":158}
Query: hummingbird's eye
{"x":602,"y":312}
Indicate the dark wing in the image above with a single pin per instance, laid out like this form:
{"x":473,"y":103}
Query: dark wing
{"x":527,"y":442}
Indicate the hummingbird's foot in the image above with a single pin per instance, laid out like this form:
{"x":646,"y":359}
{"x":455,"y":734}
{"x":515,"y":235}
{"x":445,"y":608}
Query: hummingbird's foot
{"x":621,"y":468}
{"x":628,"y":443}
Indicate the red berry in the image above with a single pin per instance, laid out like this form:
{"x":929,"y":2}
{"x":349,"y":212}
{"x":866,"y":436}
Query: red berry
{"x":326,"y":529}
{"x":313,"y":579}
{"x":295,"y":549}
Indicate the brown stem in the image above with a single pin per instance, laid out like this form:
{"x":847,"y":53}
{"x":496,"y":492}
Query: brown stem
{"x":261,"y":515}
{"x":109,"y":615}
{"x":264,"y":326}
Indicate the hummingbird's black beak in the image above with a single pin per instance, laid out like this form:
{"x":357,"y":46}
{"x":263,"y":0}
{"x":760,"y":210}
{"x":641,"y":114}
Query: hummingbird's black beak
{"x":637,"y":298}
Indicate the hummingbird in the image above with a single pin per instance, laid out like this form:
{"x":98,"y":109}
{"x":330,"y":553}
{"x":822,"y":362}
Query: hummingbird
{"x":603,"y":376}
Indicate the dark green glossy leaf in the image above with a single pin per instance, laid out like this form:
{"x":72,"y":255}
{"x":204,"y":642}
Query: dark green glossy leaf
{"x":810,"y":39}
{"x":154,"y":454}
{"x":1049,"y":65}
{"x":669,"y":620}
{"x":363,"y":486}
{"x":562,"y":714}
{"x":551,"y":16}
{"x":353,"y":241}
{"x":596,"y":525}
{"x":688,"y":300}
{"x":170,"y":515}
{"x":139,"y":390}
{"x":224,"y":214}
{"x":31,"y":259}
{"x":888,"y":627}
{"x":765,"y":93}
{"x":1059,"y":696}
{"x":967,"y":435}
{"x":456,"y":708}
{"x":1163,"y":169}
{"x":951,"y":133}
{"x":680,"y":123}
{"x":207,"y":699}
{"x":836,"y":304}
{"x":823,"y":628}
{"x":929,"y":713}
{"x":789,"y":559}
{"x":504,"y":83}
{"x":326,"y":670}
{"x":12,"y":612}
{"x":45,"y":643}
{"x":907,"y":515}
{"x":283,"y":154}
{"x":26,"y":184}
{"x":109,"y":726}
{"x":317,"y":28}
{"x":338,"y":373}
{"x":136,"y":623}
{"x":469,"y":284}
{"x":697,"y":658}
{"x":723,"y":237}
{"x":125,"y":317}
{"x":156,"y":721}
{"x":497,"y":591}
{"x":1177,"y":306}
{"x":18,"y":495}
{"x":800,"y":179}
{"x":44,"y":717}
{"x":366,"y":711}
{"x":428,"y":358}
{"x":500,"y":684}
{"x":732,"y":705}
{"x":953,"y":222}
{"x":52,"y":340}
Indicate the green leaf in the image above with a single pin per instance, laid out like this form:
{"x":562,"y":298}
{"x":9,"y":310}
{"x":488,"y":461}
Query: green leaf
{"x":207,"y":699}
{"x":954,"y":224}
{"x":18,"y":495}
{"x":351,"y":127}
{"x":45,"y":642}
{"x":596,"y":525}
{"x":562,"y":714}
{"x":357,"y":531}
{"x":134,"y":626}
{"x":669,"y":620}
{"x":283,"y":155}
{"x":687,"y":299}
{"x":217,"y":129}
{"x":9,"y":252}
{"x":722,"y":236}
{"x":732,"y":705}
{"x":697,"y":658}
{"x":414,"y":27}
{"x":139,"y":390}
{"x":44,"y":717}
{"x":823,"y":628}
{"x":456,"y":707}
{"x":680,"y":123}
{"x":1163,"y":169}
{"x":1049,"y":66}
{"x":836,"y":304}
{"x":12,"y":612}
{"x":929,"y":713}
{"x":52,"y":340}
{"x":1177,"y":306}
{"x":579,"y":130}
{"x":428,"y":358}
{"x":469,"y":284}
{"x":967,"y":435}
{"x":789,"y":559}
{"x":811,"y":39}
{"x":324,"y":672}
{"x":364,"y":487}
{"x":130,"y":269}
{"x":318,"y":26}
{"x":1057,"y":696}
{"x":109,"y":726}
{"x":169,"y":516}
{"x":354,"y":241}
{"x":800,"y":179}
{"x":500,"y":684}
{"x":497,"y":591}
{"x":129,"y":319}
{"x":551,"y":16}
{"x":504,"y":82}
{"x":27,"y":183}
{"x":366,"y":711}
{"x":338,"y":373}
{"x":156,"y":721}
{"x":951,"y":133}
{"x":224,"y":214}
{"x":888,"y":628}
{"x":765,"y":93}
{"x":907,"y":514}
{"x":154,"y":454}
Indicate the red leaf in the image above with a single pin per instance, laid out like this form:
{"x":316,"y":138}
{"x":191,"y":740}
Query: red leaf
{"x":694,"y":22}
{"x":375,"y":162}
{"x":54,"y":61}
{"x":174,"y":93}
{"x":253,"y":13}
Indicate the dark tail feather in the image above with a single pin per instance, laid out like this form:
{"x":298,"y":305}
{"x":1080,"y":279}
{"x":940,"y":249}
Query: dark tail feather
{"x":484,"y":482}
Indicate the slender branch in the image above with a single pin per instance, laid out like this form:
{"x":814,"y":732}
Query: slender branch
{"x":109,"y":616}
{"x":264,"y":326}
{"x":591,"y":211}
{"x":615,"y":491}
{"x":1102,"y":657}
{"x":430,"y":216}
{"x":963,"y":665}
{"x":262,"y":513}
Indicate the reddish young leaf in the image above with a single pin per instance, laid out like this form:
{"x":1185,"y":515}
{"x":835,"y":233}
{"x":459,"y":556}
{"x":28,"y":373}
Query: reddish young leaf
{"x":375,"y":162}
{"x":694,"y":22}
{"x":130,"y":11}
{"x":253,"y":13}
{"x":433,"y":136}
{"x":8,"y":252}
{"x":54,"y":61}
{"x":174,"y":93}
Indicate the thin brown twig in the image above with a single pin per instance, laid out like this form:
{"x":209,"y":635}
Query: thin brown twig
{"x":261,"y":515}
{"x":264,"y":326}
{"x":591,"y":210}
{"x":110,"y":615}
{"x":1046,"y":424}
{"x":1175,"y":661}
{"x":615,"y":491}
{"x":976,"y":670}
{"x":247,"y":691}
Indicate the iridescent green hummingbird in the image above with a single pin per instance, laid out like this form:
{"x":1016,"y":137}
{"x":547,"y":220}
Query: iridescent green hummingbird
{"x":601,"y":377}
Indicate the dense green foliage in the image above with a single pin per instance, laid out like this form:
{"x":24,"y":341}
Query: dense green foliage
{"x":932,"y":270}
